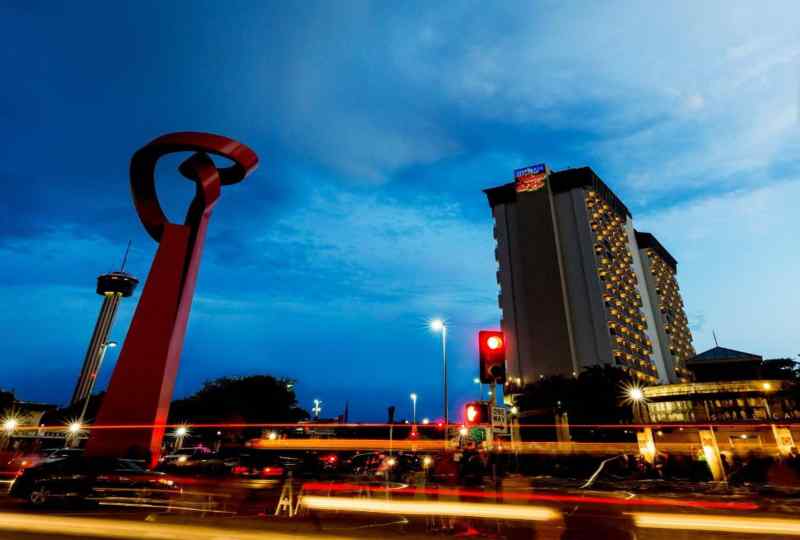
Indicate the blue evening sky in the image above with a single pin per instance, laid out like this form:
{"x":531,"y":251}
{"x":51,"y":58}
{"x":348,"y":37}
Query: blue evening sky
{"x":378,"y":124}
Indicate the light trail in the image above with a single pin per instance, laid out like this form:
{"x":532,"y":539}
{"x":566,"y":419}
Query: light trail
{"x":432,"y":508}
{"x":84,"y":527}
{"x":351,"y":444}
{"x":529,"y":497}
{"x":419,"y":427}
{"x":729,"y":524}
{"x":526,"y":447}
{"x":439,"y":445}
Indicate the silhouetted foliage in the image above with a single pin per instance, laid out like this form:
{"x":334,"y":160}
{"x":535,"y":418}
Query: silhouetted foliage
{"x":252,"y":399}
{"x":780,"y":368}
{"x":6,"y":400}
{"x":594,"y":397}
{"x":70,"y":413}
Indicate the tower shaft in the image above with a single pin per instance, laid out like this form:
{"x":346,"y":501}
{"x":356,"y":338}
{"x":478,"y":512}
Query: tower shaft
{"x":91,"y":362}
{"x":112,"y":287}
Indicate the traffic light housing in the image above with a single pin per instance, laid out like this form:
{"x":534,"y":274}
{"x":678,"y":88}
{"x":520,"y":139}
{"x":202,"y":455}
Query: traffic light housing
{"x":492,"y":352}
{"x":476,"y":413}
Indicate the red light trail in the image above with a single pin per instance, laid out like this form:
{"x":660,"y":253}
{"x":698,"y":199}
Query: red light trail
{"x":530,"y":497}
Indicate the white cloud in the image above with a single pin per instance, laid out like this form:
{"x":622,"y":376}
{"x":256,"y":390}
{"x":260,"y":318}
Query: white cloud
{"x":384,"y":252}
{"x":687,"y":92}
{"x":738,"y":259}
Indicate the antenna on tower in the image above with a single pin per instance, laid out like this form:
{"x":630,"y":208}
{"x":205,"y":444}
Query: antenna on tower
{"x":125,"y":258}
{"x":714,"y":333}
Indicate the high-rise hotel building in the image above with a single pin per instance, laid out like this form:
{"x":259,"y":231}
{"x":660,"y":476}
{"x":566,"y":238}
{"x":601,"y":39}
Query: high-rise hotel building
{"x":660,"y":271}
{"x":579,"y":287}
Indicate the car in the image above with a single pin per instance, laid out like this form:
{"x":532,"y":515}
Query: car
{"x":396,"y":467}
{"x":263,"y":464}
{"x":193,"y":459}
{"x":12,"y":466}
{"x":85,"y":479}
{"x":57,"y":453}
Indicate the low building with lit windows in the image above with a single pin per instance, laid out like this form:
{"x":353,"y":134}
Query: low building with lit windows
{"x":721,"y":402}
{"x":728,"y":386}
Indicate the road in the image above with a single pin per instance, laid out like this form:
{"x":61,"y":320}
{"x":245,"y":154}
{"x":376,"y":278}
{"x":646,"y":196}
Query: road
{"x":380,"y":517}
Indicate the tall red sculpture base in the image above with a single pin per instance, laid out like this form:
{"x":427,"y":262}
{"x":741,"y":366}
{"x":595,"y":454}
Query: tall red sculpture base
{"x":132,"y":419}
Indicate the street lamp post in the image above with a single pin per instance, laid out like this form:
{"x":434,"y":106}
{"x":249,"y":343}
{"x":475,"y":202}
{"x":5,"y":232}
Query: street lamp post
{"x":103,"y":348}
{"x":9,"y":426}
{"x":73,"y":434}
{"x":477,"y":381}
{"x":317,"y":408}
{"x":414,"y":408}
{"x":635,"y":397}
{"x":180,"y":435}
{"x":767,"y":388}
{"x":437,"y":325}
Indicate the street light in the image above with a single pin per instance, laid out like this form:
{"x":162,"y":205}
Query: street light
{"x":73,"y":434}
{"x":634,"y":396}
{"x":103,"y":348}
{"x":413,"y":408}
{"x":426,"y":421}
{"x":180,"y":433}
{"x":317,"y":408}
{"x":767,"y":387}
{"x":9,"y":425}
{"x":438,"y":325}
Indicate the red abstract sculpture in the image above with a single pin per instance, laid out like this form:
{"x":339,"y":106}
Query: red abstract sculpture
{"x":140,"y":390}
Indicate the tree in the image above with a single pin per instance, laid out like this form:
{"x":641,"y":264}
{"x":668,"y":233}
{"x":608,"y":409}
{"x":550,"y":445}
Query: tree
{"x":7,"y":400}
{"x":594,"y":397}
{"x":780,"y":368}
{"x":256,"y":399}
{"x":72,"y":412}
{"x":598,"y":398}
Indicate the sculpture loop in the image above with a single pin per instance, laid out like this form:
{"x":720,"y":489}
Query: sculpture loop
{"x":198,"y":168}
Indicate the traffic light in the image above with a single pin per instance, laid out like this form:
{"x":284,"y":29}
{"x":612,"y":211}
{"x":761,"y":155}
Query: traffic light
{"x":492,"y":351}
{"x":475,"y":413}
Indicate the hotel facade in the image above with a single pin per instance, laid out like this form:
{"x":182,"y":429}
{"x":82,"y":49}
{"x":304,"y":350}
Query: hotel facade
{"x":579,"y":286}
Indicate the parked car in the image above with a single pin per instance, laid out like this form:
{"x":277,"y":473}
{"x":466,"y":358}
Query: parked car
{"x":397,"y":467}
{"x":13,"y":463}
{"x":263,"y":464}
{"x":81,"y":478}
{"x":58,"y":453}
{"x":196,"y":459}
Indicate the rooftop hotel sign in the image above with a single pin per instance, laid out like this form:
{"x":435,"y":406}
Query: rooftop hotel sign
{"x":530,"y":178}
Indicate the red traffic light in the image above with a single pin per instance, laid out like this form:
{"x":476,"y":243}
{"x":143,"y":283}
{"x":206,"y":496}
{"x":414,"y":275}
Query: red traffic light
{"x":472,"y":414}
{"x":494,"y":342}
{"x":492,"y":352}
{"x":475,"y":413}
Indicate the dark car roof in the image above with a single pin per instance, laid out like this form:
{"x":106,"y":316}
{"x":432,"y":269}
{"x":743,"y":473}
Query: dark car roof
{"x":80,"y":462}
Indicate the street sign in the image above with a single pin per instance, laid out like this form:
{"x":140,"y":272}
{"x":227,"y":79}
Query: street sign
{"x":499,"y":419}
{"x":477,"y":434}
